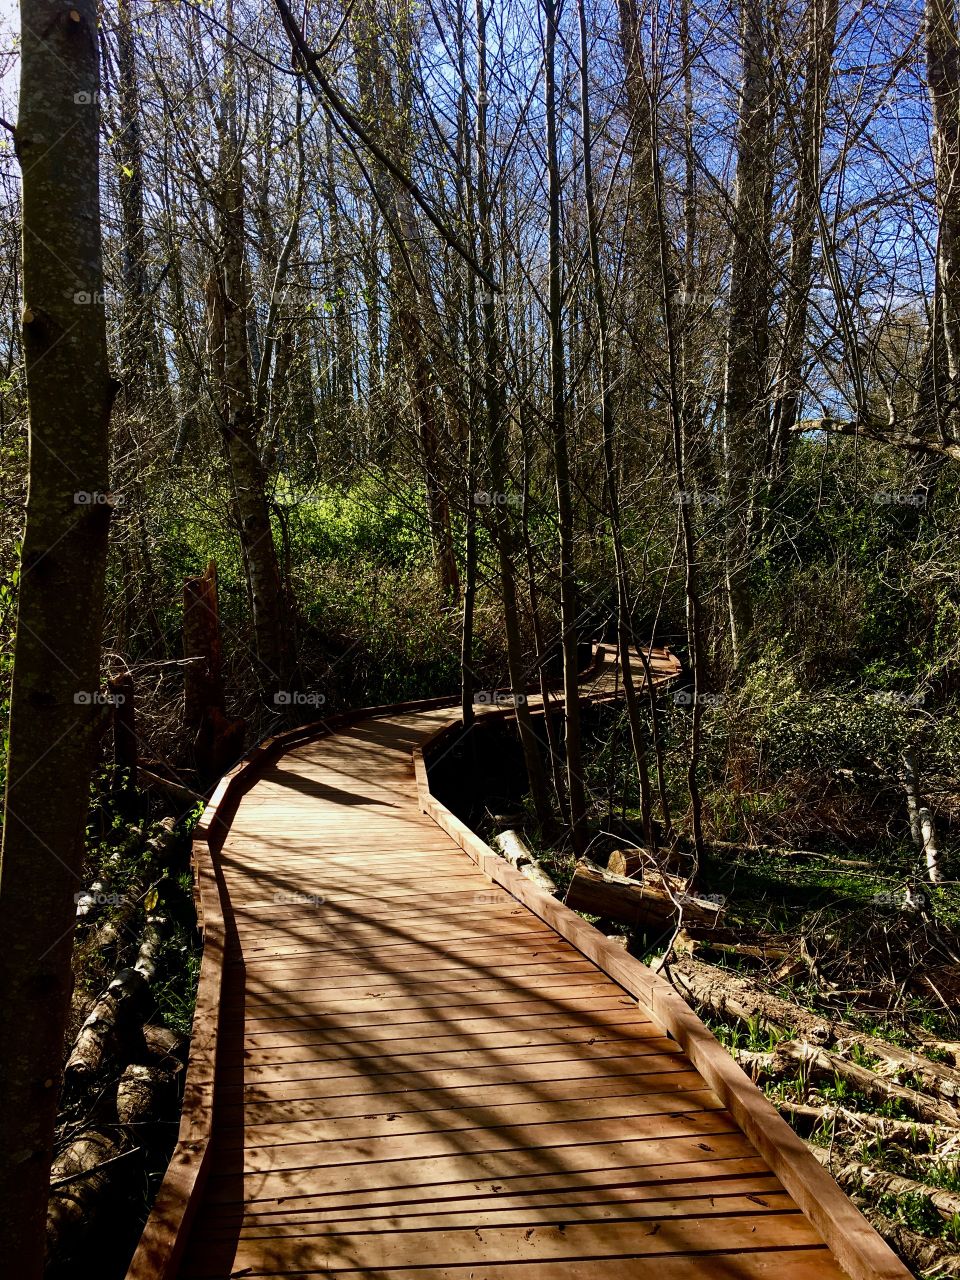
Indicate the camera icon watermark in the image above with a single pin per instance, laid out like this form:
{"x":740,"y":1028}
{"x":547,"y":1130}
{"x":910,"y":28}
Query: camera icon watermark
{"x":900,"y":898}
{"x":891,"y":698}
{"x":694,"y":298}
{"x":298,"y":698}
{"x":717,"y":900}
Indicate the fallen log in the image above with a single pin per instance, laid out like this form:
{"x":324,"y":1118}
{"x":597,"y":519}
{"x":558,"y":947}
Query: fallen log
{"x":921,"y":1253}
{"x":144,"y":1094}
{"x":910,"y":1133}
{"x":628,"y":862}
{"x":149,"y":954}
{"x":164,"y":1048}
{"x":512,"y":846}
{"x":851,"y":1173}
{"x":176,"y":791}
{"x":601,"y":893}
{"x":764,"y":953}
{"x":783,"y":851}
{"x":728,"y":994}
{"x":819,"y":1065}
{"x":110,"y":1029}
{"x":82,"y":1177}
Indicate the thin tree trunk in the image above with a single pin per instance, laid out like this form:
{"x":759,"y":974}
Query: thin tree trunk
{"x":55,"y":718}
{"x":680,"y":397}
{"x":576,"y":794}
{"x":610,"y":474}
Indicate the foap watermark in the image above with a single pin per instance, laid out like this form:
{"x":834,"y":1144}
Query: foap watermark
{"x":908,"y":897}
{"x":86,"y":97}
{"x":89,"y":898}
{"x":690,"y":498}
{"x":891,"y":698}
{"x":93,"y":498}
{"x":84,"y":298}
{"x":498,"y":698}
{"x":715,"y":900}
{"x":298,"y":698}
{"x":687,"y":698}
{"x":694,"y":298}
{"x":487,"y":498}
{"x":296,"y":898}
{"x":84,"y":698}
{"x":899,"y":498}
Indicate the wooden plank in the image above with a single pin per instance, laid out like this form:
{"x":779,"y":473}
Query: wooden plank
{"x":745,"y":1194}
{"x":775,"y":1264}
{"x":467,"y":1099}
{"x":372,"y":1122}
{"x":666,"y":1158}
{"x":388,"y":1250}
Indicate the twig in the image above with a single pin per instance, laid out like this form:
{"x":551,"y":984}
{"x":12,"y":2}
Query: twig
{"x":85,"y":1173}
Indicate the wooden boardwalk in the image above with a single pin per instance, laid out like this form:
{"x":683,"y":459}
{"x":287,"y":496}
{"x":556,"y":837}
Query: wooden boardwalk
{"x":407,"y":1069}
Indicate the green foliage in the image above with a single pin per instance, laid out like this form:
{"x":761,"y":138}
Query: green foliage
{"x":914,"y":1211}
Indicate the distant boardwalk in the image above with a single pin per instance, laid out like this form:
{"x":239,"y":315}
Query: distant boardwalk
{"x":417,"y":1076}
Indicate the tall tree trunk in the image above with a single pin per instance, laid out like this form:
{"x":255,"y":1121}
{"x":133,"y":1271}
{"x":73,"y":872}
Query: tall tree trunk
{"x":942,"y":32}
{"x":624,"y":629}
{"x":748,"y":328}
{"x":429,"y":371}
{"x":496,"y":433}
{"x":807,"y":133}
{"x":135,"y":343}
{"x":240,"y":424}
{"x":681,"y":401}
{"x":55,"y":716}
{"x":576,"y":795}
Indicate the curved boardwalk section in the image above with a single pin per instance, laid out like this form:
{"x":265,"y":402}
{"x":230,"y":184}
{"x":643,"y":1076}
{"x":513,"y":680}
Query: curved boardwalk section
{"x":422,"y":1072}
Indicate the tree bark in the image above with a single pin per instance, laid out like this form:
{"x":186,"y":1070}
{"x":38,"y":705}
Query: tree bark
{"x":240,"y":424}
{"x":631,"y":902}
{"x":55,"y":719}
{"x":807,"y":133}
{"x":748,"y":329}
{"x":576,"y":794}
{"x":942,"y":33}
